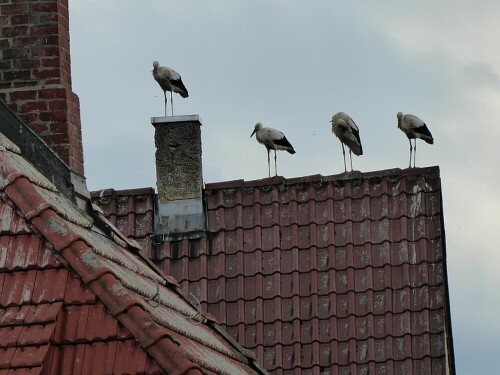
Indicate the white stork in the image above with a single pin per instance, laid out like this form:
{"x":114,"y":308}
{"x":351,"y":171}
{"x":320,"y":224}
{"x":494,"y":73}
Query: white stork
{"x":273,"y":140}
{"x":169,"y":80}
{"x":414,"y":128}
{"x":346,"y":130}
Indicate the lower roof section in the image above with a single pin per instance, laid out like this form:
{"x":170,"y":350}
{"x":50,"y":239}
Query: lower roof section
{"x":79,"y":297}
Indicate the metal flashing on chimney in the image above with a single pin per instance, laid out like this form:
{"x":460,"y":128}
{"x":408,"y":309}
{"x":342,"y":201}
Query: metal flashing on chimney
{"x":178,"y":220}
{"x":71,"y":184}
{"x":180,"y":211}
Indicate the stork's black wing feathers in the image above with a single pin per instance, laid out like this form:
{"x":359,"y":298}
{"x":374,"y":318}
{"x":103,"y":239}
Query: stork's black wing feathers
{"x":181,"y":89}
{"x":284,"y":142}
{"x":423,"y":130}
{"x":356,"y":134}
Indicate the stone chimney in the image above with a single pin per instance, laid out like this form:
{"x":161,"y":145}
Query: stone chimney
{"x":179,"y":177}
{"x":35,"y":74}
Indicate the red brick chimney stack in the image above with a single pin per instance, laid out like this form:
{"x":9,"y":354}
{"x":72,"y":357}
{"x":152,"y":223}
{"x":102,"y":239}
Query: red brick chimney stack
{"x":35,"y":73}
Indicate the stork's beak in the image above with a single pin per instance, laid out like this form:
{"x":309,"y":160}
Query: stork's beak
{"x":253,"y":133}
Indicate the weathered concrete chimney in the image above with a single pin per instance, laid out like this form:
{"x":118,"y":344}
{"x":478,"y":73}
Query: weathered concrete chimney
{"x":180,"y":211}
{"x":35,"y":73}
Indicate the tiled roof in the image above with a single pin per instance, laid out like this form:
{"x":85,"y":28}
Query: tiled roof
{"x":131,"y":212}
{"x":341,"y":274}
{"x":77,"y":297}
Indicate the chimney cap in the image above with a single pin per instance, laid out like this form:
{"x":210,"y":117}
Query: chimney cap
{"x":169,"y":119}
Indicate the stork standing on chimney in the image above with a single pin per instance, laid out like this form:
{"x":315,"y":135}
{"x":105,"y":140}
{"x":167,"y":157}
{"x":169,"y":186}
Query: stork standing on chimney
{"x":169,"y":80}
{"x":273,"y":140}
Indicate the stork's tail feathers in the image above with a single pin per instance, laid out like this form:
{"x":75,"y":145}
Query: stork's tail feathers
{"x":360,"y":150}
{"x":181,"y":89}
{"x":424,"y":134}
{"x":356,"y":149}
{"x":283,"y":144}
{"x":178,"y":87}
{"x":426,"y":138}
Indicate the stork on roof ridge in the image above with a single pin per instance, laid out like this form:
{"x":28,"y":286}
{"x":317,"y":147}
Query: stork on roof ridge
{"x":273,"y":140}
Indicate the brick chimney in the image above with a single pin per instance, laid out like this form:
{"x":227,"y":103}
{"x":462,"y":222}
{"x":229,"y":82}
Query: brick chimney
{"x":180,"y":212}
{"x":35,"y":74}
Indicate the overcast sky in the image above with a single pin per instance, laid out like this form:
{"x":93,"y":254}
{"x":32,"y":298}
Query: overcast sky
{"x":292,"y":65}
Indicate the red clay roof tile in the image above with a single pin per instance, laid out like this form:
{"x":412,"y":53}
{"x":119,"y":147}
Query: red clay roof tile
{"x":131,"y":211}
{"x":11,"y":223}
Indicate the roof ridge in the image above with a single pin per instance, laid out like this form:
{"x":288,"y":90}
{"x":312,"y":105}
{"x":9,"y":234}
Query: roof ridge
{"x":342,"y":177}
{"x":112,"y":192}
{"x":280,"y":180}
